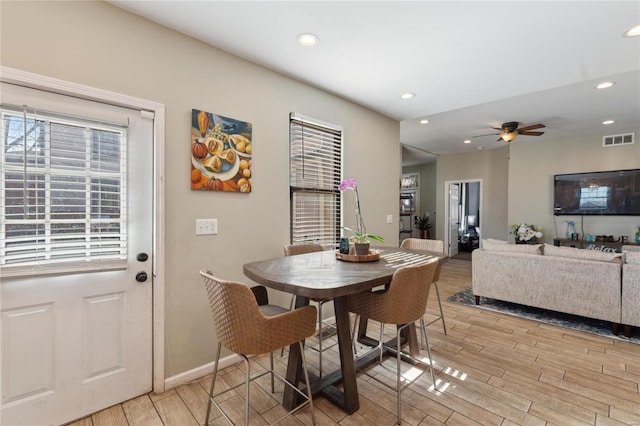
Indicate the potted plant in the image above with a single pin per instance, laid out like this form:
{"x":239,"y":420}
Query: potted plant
{"x":422,"y":223}
{"x":360,"y":237}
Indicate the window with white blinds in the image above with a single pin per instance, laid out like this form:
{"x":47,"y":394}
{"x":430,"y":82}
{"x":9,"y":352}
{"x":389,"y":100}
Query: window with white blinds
{"x":62,"y":192}
{"x":315,"y":168}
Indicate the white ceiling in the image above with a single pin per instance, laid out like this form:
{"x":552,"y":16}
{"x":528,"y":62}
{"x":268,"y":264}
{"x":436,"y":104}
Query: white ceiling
{"x":472,"y":64}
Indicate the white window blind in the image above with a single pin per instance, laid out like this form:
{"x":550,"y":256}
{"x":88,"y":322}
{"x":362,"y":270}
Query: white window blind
{"x":62,"y":193}
{"x":315,"y":171}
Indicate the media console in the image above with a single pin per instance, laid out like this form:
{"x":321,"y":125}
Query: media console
{"x":598,"y":245}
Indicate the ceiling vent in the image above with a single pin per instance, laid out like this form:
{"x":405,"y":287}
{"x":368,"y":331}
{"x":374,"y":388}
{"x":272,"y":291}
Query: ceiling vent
{"x":615,"y":140}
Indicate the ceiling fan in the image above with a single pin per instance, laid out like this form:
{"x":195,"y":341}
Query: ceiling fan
{"x":510,"y":131}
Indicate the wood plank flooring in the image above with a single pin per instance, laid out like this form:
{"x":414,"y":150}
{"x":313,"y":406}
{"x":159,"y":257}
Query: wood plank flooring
{"x":492,"y":369}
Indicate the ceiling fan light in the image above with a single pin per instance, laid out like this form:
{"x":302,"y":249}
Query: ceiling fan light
{"x":508,"y":136}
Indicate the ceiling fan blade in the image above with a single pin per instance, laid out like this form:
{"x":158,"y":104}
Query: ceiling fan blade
{"x":497,"y":128}
{"x":530,"y":133}
{"x":488,"y":134}
{"x":499,"y":139}
{"x":532,"y":127}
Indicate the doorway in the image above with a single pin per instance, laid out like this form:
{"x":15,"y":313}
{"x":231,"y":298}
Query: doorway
{"x":463,"y":213}
{"x":82,"y":312}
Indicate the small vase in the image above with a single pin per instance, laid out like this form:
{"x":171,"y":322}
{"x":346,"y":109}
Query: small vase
{"x":362,"y":249}
{"x":570,"y":230}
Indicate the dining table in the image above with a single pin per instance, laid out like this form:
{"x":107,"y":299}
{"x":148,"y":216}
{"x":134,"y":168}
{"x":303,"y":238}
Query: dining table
{"x":322,"y":275}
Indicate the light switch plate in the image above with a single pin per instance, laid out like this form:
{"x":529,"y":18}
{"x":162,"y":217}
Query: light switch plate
{"x":206,"y":226}
{"x":389,"y":218}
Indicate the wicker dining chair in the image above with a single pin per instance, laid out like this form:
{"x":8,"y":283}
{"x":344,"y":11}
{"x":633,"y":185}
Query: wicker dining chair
{"x":246,"y":324}
{"x":429,"y":245}
{"x":295,"y":249}
{"x":402,"y":304}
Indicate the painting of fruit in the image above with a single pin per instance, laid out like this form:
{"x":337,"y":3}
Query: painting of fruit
{"x":221,"y":153}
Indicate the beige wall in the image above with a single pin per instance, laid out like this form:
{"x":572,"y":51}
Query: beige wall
{"x":533,"y":163}
{"x":99,"y":45}
{"x":489,"y":166}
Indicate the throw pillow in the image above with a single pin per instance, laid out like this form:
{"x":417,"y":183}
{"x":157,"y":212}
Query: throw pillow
{"x":503,"y":246}
{"x":576,"y":253}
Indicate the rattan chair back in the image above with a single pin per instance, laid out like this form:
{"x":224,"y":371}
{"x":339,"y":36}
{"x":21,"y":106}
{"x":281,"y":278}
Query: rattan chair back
{"x":240,"y":325}
{"x":422,"y":244}
{"x":404,"y":302}
{"x":294,"y":249}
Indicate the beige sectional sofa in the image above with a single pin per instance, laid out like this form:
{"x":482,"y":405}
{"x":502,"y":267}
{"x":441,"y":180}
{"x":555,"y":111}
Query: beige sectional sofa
{"x":630,"y":289}
{"x":564,"y":279}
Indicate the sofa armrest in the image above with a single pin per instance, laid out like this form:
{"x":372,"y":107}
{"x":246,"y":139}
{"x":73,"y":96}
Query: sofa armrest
{"x":631,"y":294}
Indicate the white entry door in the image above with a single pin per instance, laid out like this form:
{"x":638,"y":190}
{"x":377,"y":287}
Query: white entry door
{"x":78,"y":340}
{"x":454,"y":217}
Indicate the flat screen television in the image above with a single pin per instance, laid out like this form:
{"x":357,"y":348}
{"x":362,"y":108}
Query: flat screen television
{"x":615,"y":192}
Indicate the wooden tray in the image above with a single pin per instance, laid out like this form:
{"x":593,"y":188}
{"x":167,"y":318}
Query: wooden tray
{"x":371,"y":257}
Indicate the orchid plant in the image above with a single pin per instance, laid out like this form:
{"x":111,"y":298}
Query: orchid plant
{"x":360,"y":233}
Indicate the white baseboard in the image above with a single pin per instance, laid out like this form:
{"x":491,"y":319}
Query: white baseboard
{"x":199,"y":372}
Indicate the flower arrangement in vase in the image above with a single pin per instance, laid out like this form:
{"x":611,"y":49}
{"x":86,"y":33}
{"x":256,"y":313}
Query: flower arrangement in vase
{"x":360,"y":236}
{"x":526,"y":234}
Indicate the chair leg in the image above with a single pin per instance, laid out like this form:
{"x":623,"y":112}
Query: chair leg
{"x":307,"y":383}
{"x":246,"y":390}
{"x":433,"y":374}
{"x":320,"y":303}
{"x":213,"y":382}
{"x":398,"y":371}
{"x":444,"y":327}
{"x":271,"y":365}
{"x":380,"y":341}
{"x":353,"y":335}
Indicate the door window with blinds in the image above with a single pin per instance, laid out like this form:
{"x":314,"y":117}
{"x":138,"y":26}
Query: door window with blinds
{"x":315,"y":169}
{"x":62,"y":193}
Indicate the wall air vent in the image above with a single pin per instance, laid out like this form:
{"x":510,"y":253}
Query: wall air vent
{"x":615,"y":140}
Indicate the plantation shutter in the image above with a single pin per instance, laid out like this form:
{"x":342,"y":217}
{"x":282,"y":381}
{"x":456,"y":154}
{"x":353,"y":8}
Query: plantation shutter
{"x":315,"y":171}
{"x":62,"y":193}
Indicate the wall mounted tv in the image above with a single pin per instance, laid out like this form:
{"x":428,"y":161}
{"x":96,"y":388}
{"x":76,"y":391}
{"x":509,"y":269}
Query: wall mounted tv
{"x":615,"y":192}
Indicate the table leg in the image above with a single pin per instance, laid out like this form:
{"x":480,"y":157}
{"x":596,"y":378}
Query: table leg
{"x":294,"y":367}
{"x":347,"y":363}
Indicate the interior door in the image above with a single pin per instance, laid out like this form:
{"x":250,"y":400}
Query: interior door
{"x":74,"y":343}
{"x":454,"y":217}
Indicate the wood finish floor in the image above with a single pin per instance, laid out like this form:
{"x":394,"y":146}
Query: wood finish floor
{"x":492,"y":369}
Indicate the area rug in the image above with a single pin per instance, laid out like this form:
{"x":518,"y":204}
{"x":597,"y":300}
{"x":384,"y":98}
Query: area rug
{"x":602,"y":328}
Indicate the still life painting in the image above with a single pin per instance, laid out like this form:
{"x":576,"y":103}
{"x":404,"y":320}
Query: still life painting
{"x":221,"y":150}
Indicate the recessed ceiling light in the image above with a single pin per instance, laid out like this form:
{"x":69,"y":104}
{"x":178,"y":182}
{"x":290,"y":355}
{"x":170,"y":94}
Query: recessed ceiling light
{"x":308,"y":39}
{"x":467,"y":141}
{"x":633,"y":32}
{"x":407,"y":95}
{"x":605,"y":84}
{"x":424,"y":121}
{"x":607,"y":122}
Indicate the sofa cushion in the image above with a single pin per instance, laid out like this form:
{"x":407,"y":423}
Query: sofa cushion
{"x":632,"y":257}
{"x":503,"y":246}
{"x":576,"y":253}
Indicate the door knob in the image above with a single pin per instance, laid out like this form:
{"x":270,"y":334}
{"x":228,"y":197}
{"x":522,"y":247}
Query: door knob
{"x":141,"y":277}
{"x":142,"y":257}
